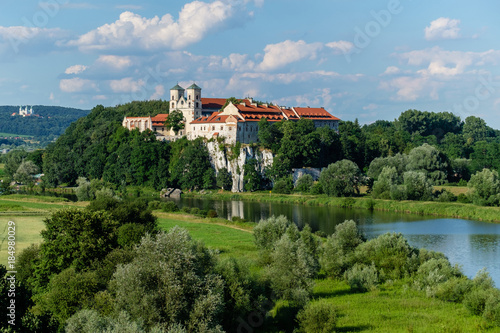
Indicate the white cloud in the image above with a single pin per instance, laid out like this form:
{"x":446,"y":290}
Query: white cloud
{"x":391,"y":70}
{"x":77,"y":85}
{"x":51,"y":96}
{"x":370,"y":107}
{"x":29,"y":40}
{"x":126,"y":85}
{"x":159,"y":92}
{"x":440,"y":62}
{"x":443,"y":28}
{"x":284,"y":53}
{"x":115,"y":62}
{"x":410,"y":88}
{"x":341,"y":47}
{"x":76,"y":69}
{"x":134,"y":32}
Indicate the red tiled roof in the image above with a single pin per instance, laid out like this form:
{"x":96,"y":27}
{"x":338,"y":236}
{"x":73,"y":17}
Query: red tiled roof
{"x":159,"y":119}
{"x":214,"y":118}
{"x":315,"y":114}
{"x":213,"y":103}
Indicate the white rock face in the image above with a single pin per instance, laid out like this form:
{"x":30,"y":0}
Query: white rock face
{"x":236,"y":165}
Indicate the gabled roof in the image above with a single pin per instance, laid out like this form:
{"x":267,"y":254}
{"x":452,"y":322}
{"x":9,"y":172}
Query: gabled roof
{"x":253,"y":112}
{"x":213,"y":103}
{"x":159,"y":119}
{"x":314,"y":114}
{"x":214,"y":118}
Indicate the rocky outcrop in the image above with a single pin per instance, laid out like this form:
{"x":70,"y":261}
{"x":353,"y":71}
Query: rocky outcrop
{"x":171,"y":193}
{"x":234,"y":161}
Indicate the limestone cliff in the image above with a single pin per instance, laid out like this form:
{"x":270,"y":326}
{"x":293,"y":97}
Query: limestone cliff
{"x":226,"y":157}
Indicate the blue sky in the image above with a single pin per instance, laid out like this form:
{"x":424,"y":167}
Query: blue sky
{"x":359,"y":59}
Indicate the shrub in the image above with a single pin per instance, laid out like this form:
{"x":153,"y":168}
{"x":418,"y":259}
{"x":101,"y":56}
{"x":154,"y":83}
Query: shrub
{"x":418,"y":187}
{"x":475,"y":301}
{"x":211,"y":214}
{"x":445,"y":196}
{"x":283,"y":186}
{"x":269,"y":231}
{"x":485,"y":186}
{"x":130,"y":234}
{"x":238,"y":219}
{"x":492,"y":307}
{"x":194,"y":211}
{"x":317,"y":317}
{"x":186,"y":209}
{"x":462,"y":198}
{"x":341,"y":179}
{"x":154,"y":205}
{"x":362,"y":277}
{"x":390,"y":253}
{"x":304,"y":183}
{"x":170,"y":206}
{"x":454,"y":290}
{"x":316,"y":188}
{"x":433,"y":272}
{"x":337,"y":253}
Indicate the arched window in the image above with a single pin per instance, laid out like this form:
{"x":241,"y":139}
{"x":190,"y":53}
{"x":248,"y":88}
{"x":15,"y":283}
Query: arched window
{"x":182,"y":102}
{"x":189,"y":96}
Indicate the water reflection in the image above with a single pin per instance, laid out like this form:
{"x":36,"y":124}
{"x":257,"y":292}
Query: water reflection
{"x":473,"y":245}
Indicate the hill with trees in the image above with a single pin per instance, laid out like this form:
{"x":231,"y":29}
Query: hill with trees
{"x":51,"y":121}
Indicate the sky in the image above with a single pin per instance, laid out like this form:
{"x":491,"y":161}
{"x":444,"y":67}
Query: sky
{"x":364,"y":59}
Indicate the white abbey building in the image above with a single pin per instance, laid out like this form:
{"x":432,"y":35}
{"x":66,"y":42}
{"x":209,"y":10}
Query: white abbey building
{"x":204,"y":117}
{"x":25,"y":112}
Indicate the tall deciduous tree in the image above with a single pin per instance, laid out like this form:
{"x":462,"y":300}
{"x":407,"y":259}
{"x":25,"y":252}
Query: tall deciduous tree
{"x":341,"y":179}
{"x":175,"y":121}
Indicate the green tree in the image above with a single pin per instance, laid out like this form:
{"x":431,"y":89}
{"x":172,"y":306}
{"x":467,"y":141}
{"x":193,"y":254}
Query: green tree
{"x":341,"y":179}
{"x":170,"y":281}
{"x":224,"y":179}
{"x":352,"y":141}
{"x":208,"y":179}
{"x":485,"y":187}
{"x":252,"y":177}
{"x":429,"y":160}
{"x":12,"y":162}
{"x":25,"y":173}
{"x":417,"y":185}
{"x":267,"y":232}
{"x":283,"y":185}
{"x":386,"y":180}
{"x":175,"y":121}
{"x":304,"y":183}
{"x":191,"y":165}
{"x":475,"y":129}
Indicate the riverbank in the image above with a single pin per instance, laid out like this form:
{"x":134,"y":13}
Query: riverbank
{"x":431,"y":208}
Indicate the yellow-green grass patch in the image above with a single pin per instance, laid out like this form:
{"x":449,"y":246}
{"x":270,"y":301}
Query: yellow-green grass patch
{"x":27,"y":231}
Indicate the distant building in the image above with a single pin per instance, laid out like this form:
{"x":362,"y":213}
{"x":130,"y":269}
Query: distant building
{"x":208,"y":118}
{"x":25,"y":112}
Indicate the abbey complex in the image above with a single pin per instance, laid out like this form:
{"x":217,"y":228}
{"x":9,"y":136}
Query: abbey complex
{"x":210,"y":118}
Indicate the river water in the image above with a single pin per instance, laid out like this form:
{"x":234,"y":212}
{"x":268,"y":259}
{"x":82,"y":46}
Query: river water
{"x":471,"y":244}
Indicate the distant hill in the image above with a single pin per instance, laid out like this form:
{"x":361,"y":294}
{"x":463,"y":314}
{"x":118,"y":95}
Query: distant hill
{"x":49,"y":121}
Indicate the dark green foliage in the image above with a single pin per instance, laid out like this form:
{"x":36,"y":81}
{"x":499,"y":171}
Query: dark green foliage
{"x":341,"y":179}
{"x":252,"y":177}
{"x":97,"y":146}
{"x":283,"y":186}
{"x":209,"y":179}
{"x":454,"y":289}
{"x":169,"y":206}
{"x":317,"y":188}
{"x":224,"y":179}
{"x":189,"y":167}
{"x":130,"y":234}
{"x":175,"y":121}
{"x":317,"y":317}
{"x":211,"y":214}
{"x":429,"y":160}
{"x":68,"y":292}
{"x":52,"y":123}
{"x":434,"y":272}
{"x":429,"y":123}
{"x":304,"y":183}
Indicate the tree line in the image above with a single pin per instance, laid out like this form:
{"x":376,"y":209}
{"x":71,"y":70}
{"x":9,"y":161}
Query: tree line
{"x":425,"y":148}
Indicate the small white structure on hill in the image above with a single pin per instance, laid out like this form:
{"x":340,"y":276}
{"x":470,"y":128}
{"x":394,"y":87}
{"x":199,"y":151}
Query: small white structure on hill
{"x":25,"y":112}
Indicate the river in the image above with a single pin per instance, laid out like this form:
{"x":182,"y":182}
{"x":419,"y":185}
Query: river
{"x":471,"y":244}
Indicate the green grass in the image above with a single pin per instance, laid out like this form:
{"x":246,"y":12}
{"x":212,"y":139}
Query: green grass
{"x":229,"y":240}
{"x":396,"y":308}
{"x":27,"y":231}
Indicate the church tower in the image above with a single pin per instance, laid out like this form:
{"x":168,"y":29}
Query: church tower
{"x":189,"y":105}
